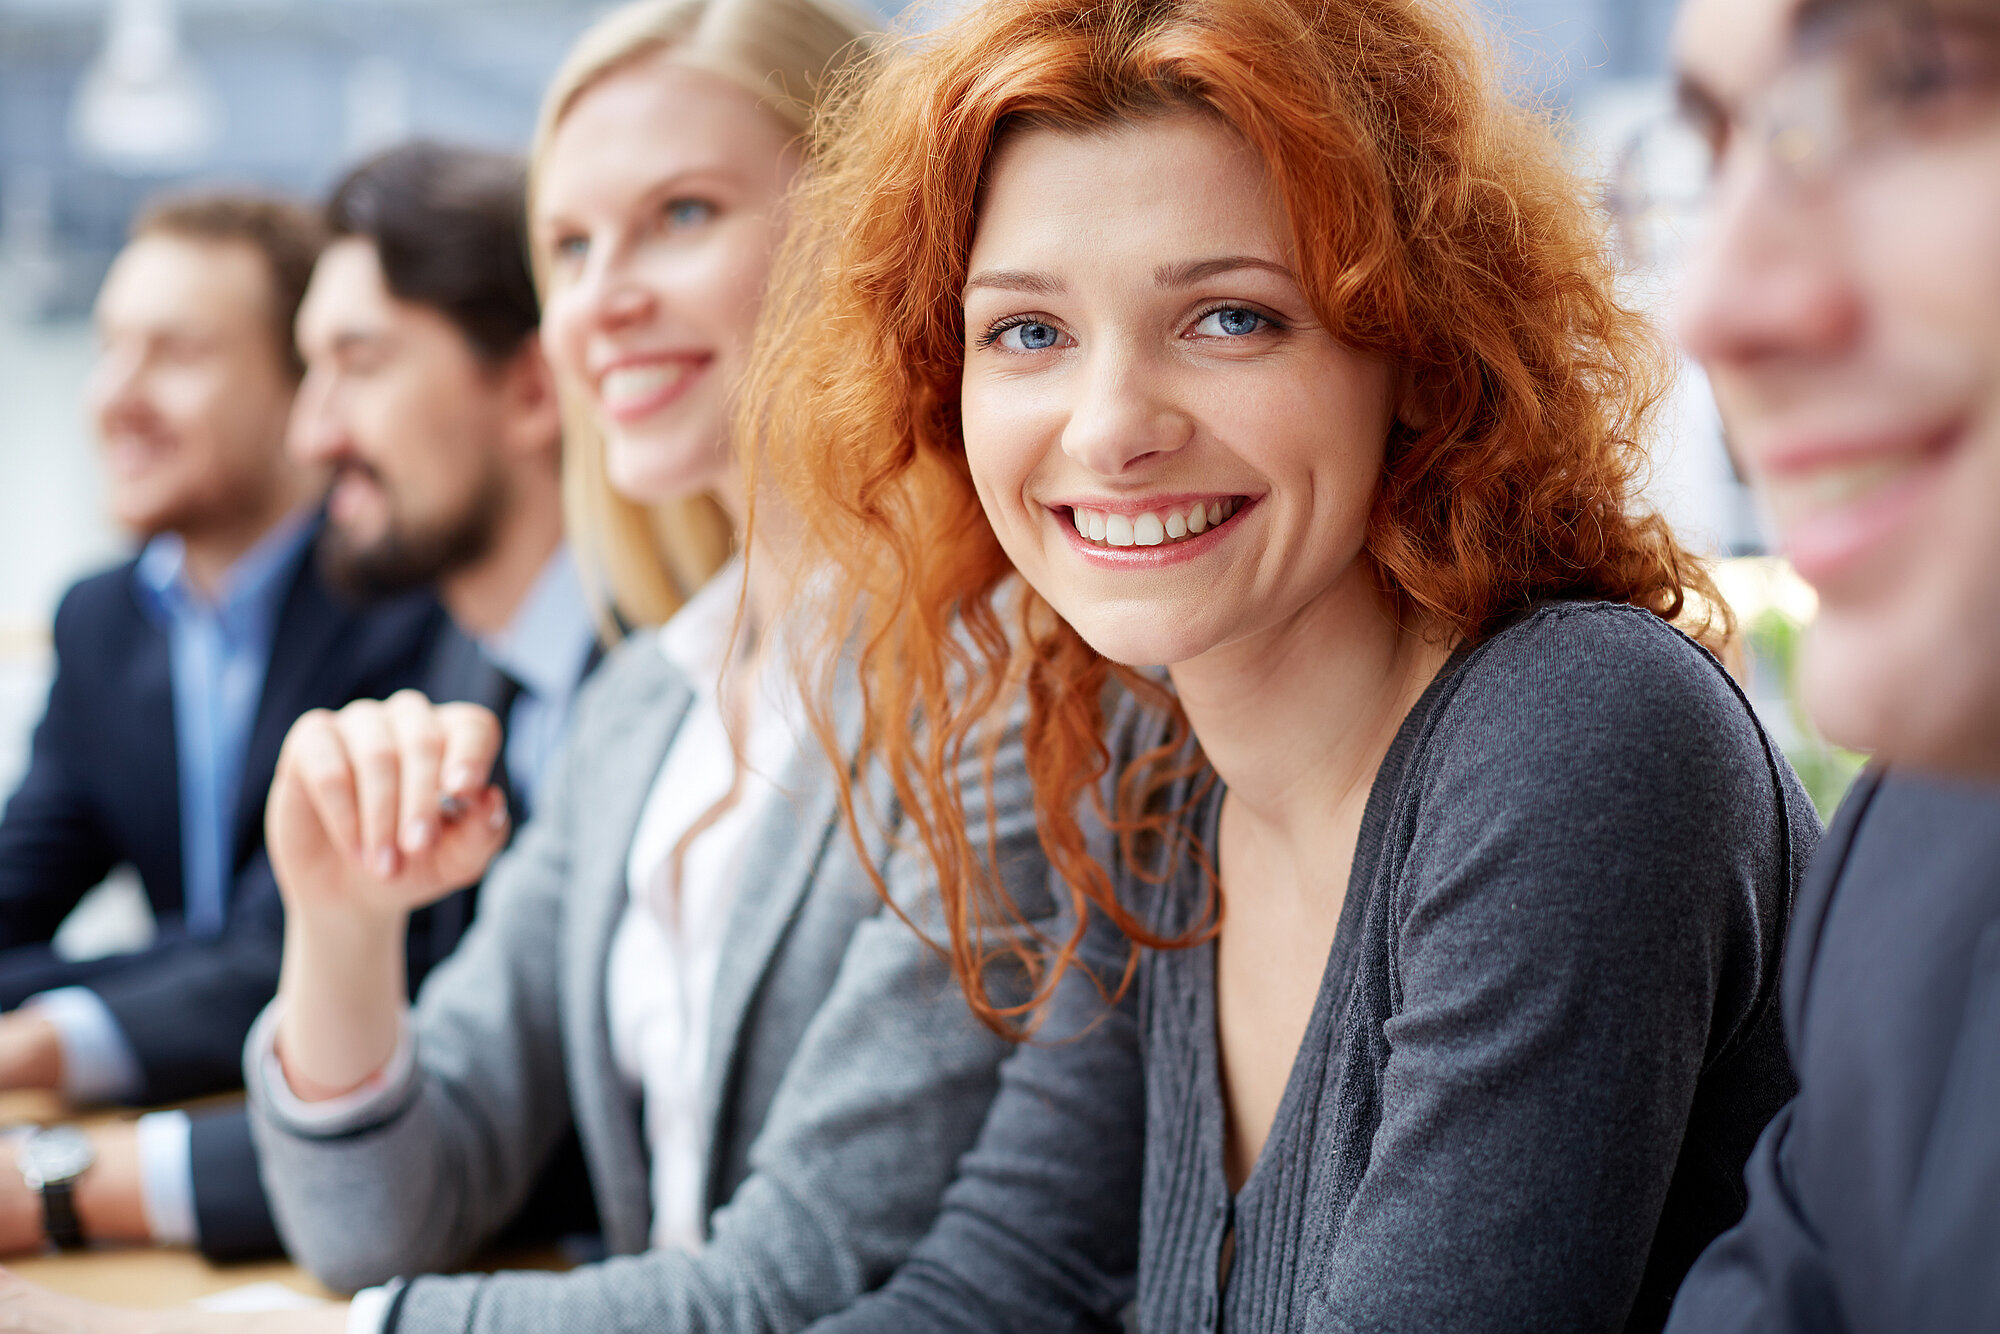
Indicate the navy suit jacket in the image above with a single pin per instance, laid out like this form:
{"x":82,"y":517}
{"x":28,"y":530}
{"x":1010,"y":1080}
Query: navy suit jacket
{"x":103,"y":788}
{"x":1875,"y":1194}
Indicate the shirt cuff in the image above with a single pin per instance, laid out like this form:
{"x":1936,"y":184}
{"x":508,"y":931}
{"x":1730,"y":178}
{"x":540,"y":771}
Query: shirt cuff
{"x":328,"y":1116}
{"x":98,"y":1063}
{"x":368,"y":1313}
{"x":166,"y":1177}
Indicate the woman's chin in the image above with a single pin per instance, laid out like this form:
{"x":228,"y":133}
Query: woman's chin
{"x":658,"y":472}
{"x":1139,"y":641}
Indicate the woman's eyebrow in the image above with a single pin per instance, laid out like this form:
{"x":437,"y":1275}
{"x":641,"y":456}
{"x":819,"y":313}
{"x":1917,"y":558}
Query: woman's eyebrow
{"x":1166,"y":275}
{"x":716,"y":175}
{"x":1017,"y":280}
{"x":1194,"y":271}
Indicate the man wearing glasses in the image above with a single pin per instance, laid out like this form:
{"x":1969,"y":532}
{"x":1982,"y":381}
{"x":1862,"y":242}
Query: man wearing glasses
{"x":1845,"y":300}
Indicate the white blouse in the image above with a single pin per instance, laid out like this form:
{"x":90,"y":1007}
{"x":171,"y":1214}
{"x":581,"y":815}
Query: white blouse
{"x":664,"y":955}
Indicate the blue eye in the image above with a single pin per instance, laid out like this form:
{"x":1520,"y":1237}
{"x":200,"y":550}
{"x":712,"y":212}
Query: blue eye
{"x":1230,"y":322}
{"x":1029,"y":336}
{"x":683,"y":213}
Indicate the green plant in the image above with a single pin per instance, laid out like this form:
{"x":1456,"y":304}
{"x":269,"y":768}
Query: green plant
{"x":1773,"y":637}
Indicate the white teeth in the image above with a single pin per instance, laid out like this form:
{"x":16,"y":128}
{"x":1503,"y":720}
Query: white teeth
{"x":1832,"y":487}
{"x":628,"y":384}
{"x":1153,"y":527}
{"x":1837,"y":486}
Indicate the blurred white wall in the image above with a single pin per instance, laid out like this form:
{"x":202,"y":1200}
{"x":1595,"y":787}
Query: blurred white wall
{"x":52,"y":529}
{"x":52,"y":526}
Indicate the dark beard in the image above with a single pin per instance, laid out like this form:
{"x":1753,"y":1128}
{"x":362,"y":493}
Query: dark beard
{"x":405,"y":559}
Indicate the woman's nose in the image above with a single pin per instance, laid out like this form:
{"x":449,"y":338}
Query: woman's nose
{"x":617,"y":298}
{"x":1122,"y":413}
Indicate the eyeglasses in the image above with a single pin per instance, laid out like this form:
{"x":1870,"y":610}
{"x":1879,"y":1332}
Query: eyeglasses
{"x":1870,"y":83}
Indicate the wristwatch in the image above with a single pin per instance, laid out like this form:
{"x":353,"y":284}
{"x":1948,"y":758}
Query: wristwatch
{"x":51,"y":1160}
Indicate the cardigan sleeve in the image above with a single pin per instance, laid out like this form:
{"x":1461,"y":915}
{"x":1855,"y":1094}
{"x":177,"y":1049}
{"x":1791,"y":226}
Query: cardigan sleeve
{"x":1585,"y":919}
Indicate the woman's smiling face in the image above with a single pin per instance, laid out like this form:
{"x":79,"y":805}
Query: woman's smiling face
{"x":1169,"y":446}
{"x":658,"y":207}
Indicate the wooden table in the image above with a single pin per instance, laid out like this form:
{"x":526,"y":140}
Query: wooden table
{"x":35,"y":1105}
{"x":143,"y":1276}
{"x":147,"y":1277}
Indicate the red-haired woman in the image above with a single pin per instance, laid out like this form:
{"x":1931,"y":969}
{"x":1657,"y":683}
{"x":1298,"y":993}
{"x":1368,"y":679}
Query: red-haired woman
{"x":1440,"y":893}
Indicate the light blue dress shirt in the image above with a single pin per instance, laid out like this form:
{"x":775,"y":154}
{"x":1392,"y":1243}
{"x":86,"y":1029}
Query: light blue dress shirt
{"x":219,"y":649}
{"x":545,"y":648}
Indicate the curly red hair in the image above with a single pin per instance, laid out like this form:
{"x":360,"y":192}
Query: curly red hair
{"x":1432,"y":223}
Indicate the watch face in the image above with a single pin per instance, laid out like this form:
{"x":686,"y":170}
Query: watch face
{"x":58,"y":1154}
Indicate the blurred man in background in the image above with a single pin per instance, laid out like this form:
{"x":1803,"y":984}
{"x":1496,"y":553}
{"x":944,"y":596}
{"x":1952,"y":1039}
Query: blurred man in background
{"x":178,"y":673}
{"x":427,"y":397}
{"x":427,"y":400}
{"x":1847,"y":307}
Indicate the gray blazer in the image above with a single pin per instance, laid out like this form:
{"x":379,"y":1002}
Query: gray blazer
{"x":845,"y":1075}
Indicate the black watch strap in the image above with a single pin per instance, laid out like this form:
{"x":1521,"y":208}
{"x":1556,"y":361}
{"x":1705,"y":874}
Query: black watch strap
{"x":59,"y":1219}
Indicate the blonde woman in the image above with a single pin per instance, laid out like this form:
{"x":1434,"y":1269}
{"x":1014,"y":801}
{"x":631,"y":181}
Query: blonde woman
{"x":682,"y":957}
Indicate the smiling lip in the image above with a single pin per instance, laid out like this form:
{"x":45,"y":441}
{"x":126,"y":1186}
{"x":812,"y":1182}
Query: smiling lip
{"x":637,"y":387}
{"x":1150,"y":533}
{"x":1838,"y":503}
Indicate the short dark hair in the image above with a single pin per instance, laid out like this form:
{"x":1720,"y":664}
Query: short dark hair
{"x":286,"y":234}
{"x":450,"y":227}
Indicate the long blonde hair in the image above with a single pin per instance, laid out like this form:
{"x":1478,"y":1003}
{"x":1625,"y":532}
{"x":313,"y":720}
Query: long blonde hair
{"x":643,"y":561}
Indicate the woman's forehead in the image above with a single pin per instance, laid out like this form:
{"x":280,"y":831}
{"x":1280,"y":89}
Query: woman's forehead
{"x":680,"y":116}
{"x":1183,"y":179}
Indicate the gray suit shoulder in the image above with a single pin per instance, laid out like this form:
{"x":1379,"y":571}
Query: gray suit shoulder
{"x":635,"y":672}
{"x":635,"y":664}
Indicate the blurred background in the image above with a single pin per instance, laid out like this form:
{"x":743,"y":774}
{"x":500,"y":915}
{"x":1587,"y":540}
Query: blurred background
{"x":103,"y":102}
